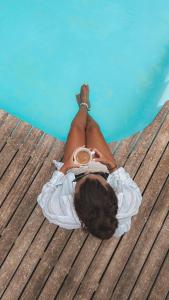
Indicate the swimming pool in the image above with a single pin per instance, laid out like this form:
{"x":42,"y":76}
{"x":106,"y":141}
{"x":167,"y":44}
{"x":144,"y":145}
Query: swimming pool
{"x":50,"y":48}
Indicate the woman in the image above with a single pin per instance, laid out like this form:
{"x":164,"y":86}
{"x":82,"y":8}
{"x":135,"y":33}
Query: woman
{"x":101,"y":197}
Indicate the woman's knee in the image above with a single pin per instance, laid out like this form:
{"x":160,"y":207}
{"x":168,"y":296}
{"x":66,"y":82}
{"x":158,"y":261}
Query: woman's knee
{"x":92,"y":126}
{"x":91,"y":123}
{"x":77,"y":126}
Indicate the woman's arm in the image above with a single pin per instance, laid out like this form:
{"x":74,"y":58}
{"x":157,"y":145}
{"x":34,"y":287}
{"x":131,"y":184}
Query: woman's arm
{"x":110,"y":163}
{"x":113,"y":167}
{"x":50,"y":187}
{"x":63,"y":169}
{"x":68,"y":164}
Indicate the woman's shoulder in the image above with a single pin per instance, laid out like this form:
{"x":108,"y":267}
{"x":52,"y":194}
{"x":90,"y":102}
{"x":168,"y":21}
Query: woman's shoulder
{"x":119,"y":172}
{"x":127,"y":191}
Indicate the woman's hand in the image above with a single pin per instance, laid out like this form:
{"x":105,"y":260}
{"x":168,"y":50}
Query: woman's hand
{"x":110,"y":164}
{"x":68,"y":164}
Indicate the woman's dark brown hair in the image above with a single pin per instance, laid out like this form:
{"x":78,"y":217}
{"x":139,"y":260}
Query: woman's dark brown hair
{"x":96,"y":207}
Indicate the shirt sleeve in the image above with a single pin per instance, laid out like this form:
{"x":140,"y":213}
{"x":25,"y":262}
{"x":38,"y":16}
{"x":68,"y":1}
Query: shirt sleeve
{"x":129,"y":198}
{"x":50,"y":189}
{"x":58,"y":164}
{"x":56,"y":208}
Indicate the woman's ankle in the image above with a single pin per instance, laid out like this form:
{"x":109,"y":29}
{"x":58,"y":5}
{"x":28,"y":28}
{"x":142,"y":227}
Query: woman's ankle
{"x":84,"y":105}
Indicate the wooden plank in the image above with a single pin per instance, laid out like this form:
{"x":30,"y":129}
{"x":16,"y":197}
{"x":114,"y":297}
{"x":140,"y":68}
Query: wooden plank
{"x":3,"y":116}
{"x":22,"y":184}
{"x":18,"y":222}
{"x":152,"y":265}
{"x":14,"y":257}
{"x":63,"y":243}
{"x":161,"y":286}
{"x":153,"y":155}
{"x":113,"y":146}
{"x":31,"y":258}
{"x":18,"y":163}
{"x":29,"y":230}
{"x":12,"y":145}
{"x":136,"y":140}
{"x":125,"y":149}
{"x":7,"y":128}
{"x":128,"y":241}
{"x":128,"y":143}
{"x":90,"y":281}
{"x":23,"y":242}
{"x":143,"y":247}
{"x":75,"y":275}
{"x":146,"y":139}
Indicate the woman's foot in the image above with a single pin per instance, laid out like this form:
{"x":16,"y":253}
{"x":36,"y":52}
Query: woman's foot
{"x":84,"y":95}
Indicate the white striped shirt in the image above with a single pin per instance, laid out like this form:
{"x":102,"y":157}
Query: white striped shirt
{"x":57,"y":199}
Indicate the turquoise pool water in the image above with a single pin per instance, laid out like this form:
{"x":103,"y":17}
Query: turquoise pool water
{"x":50,"y":48}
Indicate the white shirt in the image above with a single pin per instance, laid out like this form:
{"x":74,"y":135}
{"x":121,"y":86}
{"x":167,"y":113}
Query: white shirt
{"x":56,"y":199}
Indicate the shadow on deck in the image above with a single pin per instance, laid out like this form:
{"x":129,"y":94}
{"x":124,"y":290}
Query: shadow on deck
{"x":42,"y":261}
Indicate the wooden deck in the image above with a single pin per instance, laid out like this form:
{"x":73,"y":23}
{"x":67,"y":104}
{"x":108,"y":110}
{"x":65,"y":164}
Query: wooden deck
{"x":42,"y":261}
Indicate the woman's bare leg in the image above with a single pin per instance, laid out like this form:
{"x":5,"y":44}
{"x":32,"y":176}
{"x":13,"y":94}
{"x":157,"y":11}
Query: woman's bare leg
{"x":91,"y":121}
{"x":80,"y":119}
{"x":95,"y":138}
{"x":77,"y":135}
{"x":85,"y":130}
